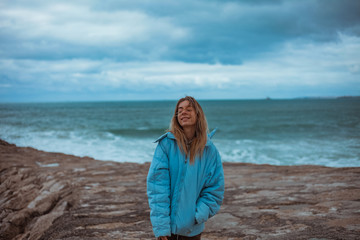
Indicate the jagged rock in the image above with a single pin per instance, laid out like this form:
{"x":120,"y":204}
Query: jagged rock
{"x":57,"y":196}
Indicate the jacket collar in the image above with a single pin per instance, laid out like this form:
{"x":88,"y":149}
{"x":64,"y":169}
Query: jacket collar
{"x":171,"y":136}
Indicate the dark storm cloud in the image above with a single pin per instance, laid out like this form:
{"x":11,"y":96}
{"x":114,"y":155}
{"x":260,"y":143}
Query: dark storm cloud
{"x":225,"y":46}
{"x":228,"y":32}
{"x":232,"y":31}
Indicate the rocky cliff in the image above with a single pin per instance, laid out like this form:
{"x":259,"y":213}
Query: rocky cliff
{"x":56,"y":196}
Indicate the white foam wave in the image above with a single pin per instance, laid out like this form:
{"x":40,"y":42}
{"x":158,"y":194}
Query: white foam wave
{"x":101,"y":146}
{"x":107,"y":146}
{"x":296,"y":152}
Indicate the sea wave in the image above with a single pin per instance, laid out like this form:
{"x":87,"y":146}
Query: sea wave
{"x":138,"y":132}
{"x":296,"y":152}
{"x":122,"y":148}
{"x":262,"y":132}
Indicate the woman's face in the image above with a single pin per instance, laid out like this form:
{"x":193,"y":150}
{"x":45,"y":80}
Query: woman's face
{"x":186,"y":114}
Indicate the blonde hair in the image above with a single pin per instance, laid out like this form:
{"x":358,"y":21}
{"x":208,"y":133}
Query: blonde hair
{"x":197,"y":146}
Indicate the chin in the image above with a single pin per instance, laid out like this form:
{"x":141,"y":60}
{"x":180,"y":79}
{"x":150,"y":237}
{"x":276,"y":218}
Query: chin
{"x":187,"y":125}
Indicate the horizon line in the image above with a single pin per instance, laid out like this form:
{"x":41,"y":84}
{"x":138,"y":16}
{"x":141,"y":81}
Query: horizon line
{"x":200,"y":99}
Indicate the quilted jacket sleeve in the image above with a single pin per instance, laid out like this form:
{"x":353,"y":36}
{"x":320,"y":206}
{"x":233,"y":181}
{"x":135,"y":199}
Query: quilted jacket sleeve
{"x":158,"y":191}
{"x":212,"y":194}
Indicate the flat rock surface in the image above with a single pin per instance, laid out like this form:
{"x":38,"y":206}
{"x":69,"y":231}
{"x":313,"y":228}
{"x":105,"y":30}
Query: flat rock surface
{"x":57,"y":196}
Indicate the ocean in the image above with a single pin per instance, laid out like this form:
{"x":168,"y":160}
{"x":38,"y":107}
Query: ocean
{"x":280,"y":132}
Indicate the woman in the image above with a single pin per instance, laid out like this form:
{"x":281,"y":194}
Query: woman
{"x":185,"y":183}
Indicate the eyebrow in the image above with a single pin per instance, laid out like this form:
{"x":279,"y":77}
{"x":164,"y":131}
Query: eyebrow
{"x":185,"y":107}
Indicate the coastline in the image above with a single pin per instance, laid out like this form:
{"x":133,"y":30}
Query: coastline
{"x":48,"y":195}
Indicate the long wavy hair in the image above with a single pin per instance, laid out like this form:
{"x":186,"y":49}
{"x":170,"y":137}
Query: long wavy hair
{"x":197,"y":145}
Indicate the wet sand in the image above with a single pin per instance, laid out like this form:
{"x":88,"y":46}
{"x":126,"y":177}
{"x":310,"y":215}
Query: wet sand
{"x":57,"y":196}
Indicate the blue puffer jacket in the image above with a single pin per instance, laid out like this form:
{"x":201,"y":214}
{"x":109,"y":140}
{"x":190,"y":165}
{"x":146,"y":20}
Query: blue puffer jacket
{"x":182,"y":196}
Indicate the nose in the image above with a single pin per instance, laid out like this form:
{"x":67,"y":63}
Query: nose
{"x":183,"y":113}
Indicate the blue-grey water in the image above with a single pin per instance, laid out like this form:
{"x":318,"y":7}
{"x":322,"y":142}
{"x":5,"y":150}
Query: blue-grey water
{"x":281,"y":132}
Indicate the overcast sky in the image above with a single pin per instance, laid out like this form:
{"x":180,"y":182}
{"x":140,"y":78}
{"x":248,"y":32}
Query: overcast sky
{"x":134,"y":50}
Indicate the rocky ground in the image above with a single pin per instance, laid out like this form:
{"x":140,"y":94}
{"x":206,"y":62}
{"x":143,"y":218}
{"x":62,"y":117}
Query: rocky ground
{"x":56,"y":196}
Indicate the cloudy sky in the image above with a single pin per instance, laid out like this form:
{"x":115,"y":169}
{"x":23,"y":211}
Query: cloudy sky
{"x":149,"y":49}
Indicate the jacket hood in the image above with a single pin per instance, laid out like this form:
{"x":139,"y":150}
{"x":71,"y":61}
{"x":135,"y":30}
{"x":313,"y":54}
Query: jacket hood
{"x":171,"y":136}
